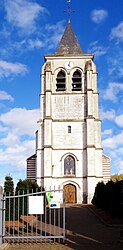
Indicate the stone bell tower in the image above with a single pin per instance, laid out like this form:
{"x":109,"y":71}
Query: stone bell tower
{"x":68,"y":144}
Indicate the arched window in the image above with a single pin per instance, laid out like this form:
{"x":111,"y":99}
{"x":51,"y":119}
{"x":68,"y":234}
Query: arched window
{"x":69,"y":165}
{"x":77,"y":81}
{"x":61,"y":80}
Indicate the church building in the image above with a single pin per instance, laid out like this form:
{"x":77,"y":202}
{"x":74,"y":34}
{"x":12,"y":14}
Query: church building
{"x":68,"y":140}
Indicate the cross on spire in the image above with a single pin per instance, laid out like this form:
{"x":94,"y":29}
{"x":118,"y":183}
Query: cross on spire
{"x":69,"y":9}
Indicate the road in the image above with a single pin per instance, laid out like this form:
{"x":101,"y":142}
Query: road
{"x":83,"y":231}
{"x":86,"y":231}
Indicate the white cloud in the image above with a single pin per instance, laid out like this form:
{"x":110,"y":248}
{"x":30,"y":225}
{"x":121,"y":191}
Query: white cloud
{"x":119,"y":120}
{"x":47,"y":38}
{"x":18,"y":142}
{"x":118,"y":164}
{"x":59,"y":26}
{"x":120,"y":150}
{"x":23,"y":13}
{"x":115,"y":62}
{"x":35,"y":44}
{"x":9,"y":69}
{"x":112,"y":91}
{"x":107,"y":132}
{"x":26,"y":44}
{"x":3,"y":129}
{"x":117,"y":32}
{"x":96,"y":49}
{"x":10,"y":139}
{"x":98,"y":16}
{"x":5,"y":33}
{"x":21,"y":120}
{"x":16,"y":154}
{"x":116,"y":68}
{"x":5,"y":96}
{"x":107,"y":115}
{"x":108,"y":143}
{"x":2,"y":179}
{"x":113,"y":142}
{"x":116,"y":159}
{"x":53,"y":34}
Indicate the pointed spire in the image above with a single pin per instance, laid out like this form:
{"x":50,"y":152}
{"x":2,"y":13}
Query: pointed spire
{"x":69,"y":44}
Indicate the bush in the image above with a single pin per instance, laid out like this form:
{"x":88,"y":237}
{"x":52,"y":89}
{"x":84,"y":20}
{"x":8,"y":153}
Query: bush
{"x":98,"y":198}
{"x":109,"y":197}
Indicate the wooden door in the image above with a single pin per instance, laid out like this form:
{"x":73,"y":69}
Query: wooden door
{"x":70,"y":193}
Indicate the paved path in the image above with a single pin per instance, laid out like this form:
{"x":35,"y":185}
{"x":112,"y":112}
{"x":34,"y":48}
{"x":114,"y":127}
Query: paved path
{"x":84,"y":231}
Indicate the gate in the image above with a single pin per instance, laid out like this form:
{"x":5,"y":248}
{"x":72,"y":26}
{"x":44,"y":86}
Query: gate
{"x":33,"y":217}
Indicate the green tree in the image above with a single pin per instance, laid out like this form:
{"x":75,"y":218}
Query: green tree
{"x":24,"y":187}
{"x":9,"y":185}
{"x":9,"y":191}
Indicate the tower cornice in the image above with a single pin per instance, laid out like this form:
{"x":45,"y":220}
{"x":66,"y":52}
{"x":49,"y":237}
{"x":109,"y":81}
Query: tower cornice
{"x":62,"y":56}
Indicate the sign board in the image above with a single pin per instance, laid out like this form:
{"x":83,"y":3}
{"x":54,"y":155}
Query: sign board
{"x":54,"y":204}
{"x":55,"y":198}
{"x":36,"y":204}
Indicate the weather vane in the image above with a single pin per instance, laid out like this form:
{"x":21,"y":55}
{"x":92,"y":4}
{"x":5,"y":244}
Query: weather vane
{"x":69,"y":9}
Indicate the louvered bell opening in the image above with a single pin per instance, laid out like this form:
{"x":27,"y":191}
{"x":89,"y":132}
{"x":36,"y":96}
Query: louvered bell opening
{"x":61,"y":79}
{"x":77,"y":81}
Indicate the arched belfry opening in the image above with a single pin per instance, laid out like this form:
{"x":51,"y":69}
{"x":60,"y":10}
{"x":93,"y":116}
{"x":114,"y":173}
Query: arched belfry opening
{"x":77,"y":81}
{"x":61,"y":81}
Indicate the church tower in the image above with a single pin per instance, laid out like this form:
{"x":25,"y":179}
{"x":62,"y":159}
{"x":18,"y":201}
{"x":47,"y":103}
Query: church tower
{"x":68,"y":144}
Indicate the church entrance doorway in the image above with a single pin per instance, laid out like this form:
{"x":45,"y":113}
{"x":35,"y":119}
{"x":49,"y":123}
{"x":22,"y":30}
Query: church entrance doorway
{"x":70,"y":193}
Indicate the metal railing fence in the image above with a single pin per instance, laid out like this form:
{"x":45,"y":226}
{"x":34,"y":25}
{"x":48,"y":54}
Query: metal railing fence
{"x":21,"y":225}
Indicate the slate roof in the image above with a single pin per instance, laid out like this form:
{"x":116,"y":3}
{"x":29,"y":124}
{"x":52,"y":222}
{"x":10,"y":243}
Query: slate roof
{"x":69,"y":44}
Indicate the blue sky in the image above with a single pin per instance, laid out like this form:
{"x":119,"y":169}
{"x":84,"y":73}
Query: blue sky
{"x":28,"y":30}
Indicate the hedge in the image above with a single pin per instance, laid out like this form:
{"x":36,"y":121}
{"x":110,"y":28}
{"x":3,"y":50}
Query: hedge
{"x":109,"y":197}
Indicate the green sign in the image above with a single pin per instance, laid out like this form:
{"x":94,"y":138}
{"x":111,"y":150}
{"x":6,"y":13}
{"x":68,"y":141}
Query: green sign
{"x":49,"y":196}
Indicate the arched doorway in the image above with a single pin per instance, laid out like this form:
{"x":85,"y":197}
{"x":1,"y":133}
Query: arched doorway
{"x":70,"y":193}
